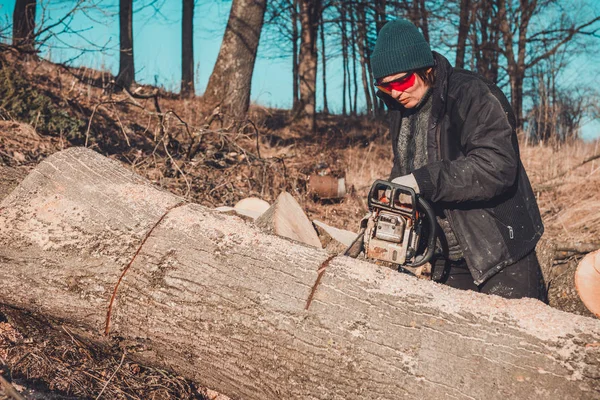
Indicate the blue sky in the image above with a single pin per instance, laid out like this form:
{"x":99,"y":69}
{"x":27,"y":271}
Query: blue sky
{"x":157,"y":50}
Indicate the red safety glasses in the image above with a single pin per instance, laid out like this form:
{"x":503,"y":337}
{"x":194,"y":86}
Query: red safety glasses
{"x":399,"y":85}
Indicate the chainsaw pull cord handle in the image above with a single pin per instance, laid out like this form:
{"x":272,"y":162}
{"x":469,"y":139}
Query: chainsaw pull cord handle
{"x":420,"y":260}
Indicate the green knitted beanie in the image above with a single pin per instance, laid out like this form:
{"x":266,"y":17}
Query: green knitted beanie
{"x":400,"y":47}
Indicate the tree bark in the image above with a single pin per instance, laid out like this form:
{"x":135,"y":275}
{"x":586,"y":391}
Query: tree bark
{"x":323,"y":64}
{"x":353,"y":39}
{"x":463,"y":30}
{"x":257,"y":316}
{"x":380,"y":20}
{"x":126,"y":75}
{"x":296,"y":78}
{"x":307,"y":62}
{"x":24,"y":25}
{"x":187,"y":49}
{"x":345,"y":75}
{"x":230,"y":83}
{"x":362,"y":49}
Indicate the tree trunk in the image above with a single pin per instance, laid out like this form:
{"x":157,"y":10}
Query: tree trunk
{"x":24,"y":25}
{"x":307,"y":63}
{"x":354,"y":70}
{"x":126,"y":75}
{"x":516,"y":98}
{"x":256,"y":316}
{"x":463,"y":30}
{"x":380,"y":21}
{"x":424,"y":14}
{"x":187,"y":49}
{"x":296,"y":78}
{"x":231,"y":80}
{"x":345,"y":79}
{"x":323,"y":65}
{"x":362,"y":49}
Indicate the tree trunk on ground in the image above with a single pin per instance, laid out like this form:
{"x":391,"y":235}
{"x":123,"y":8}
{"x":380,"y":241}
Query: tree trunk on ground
{"x":126,"y":75}
{"x":256,"y":316}
{"x":231,"y":80}
{"x":24,"y":25}
{"x":307,"y":62}
{"x":187,"y":49}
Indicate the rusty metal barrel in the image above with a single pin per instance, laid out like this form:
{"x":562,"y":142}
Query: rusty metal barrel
{"x":327,"y":186}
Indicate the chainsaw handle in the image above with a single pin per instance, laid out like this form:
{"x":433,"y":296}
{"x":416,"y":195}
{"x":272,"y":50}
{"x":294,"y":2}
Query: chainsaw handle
{"x":420,"y":260}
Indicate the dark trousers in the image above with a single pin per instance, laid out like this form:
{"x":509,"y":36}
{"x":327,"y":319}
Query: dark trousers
{"x":521,"y":279}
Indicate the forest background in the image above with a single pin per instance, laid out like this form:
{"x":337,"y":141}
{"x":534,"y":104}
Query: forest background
{"x":554,"y":43}
{"x":291,"y":97}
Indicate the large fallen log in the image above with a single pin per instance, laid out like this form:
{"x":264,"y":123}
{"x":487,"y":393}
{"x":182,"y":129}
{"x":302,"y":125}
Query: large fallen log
{"x":256,"y":316}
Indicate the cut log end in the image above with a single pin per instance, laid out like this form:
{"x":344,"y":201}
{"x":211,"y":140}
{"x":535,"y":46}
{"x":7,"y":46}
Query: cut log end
{"x":587,"y":281}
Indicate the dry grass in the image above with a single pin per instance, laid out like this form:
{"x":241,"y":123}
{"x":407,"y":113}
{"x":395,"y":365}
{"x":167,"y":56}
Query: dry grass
{"x":65,"y":363}
{"x":568,"y":190}
{"x":269,"y":154}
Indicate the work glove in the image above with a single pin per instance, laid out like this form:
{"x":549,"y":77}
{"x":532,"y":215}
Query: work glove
{"x":407,"y":180}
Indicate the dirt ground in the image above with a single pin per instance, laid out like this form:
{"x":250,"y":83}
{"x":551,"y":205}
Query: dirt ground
{"x":183,"y":147}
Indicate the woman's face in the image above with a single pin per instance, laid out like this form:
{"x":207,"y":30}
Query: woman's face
{"x":407,"y":96}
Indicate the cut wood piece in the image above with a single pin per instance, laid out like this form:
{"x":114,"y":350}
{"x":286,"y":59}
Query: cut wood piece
{"x":340,"y":235}
{"x":251,"y":207}
{"x":334,"y":240}
{"x":252,"y":204}
{"x":286,"y":218}
{"x":587,"y":281}
{"x":217,"y":301}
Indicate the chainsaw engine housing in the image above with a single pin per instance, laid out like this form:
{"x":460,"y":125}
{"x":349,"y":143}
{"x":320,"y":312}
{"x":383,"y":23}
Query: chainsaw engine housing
{"x":395,"y":226}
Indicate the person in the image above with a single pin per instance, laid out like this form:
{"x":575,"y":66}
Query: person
{"x":454,"y":142}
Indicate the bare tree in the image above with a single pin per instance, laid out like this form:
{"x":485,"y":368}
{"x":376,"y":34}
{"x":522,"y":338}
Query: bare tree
{"x":126,"y":75}
{"x":307,"y":63}
{"x":323,"y":63}
{"x":362,"y":50}
{"x":521,"y":46}
{"x":558,"y":110}
{"x":187,"y":49}
{"x":24,"y":24}
{"x":463,"y":31}
{"x":344,"y":45}
{"x":353,"y":40}
{"x":231,"y":80}
{"x":486,"y":39}
{"x":295,"y":39}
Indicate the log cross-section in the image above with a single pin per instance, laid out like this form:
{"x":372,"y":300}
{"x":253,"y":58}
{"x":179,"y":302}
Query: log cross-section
{"x":213,"y":298}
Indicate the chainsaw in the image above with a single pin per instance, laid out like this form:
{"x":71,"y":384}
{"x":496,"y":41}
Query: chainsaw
{"x":400,"y":230}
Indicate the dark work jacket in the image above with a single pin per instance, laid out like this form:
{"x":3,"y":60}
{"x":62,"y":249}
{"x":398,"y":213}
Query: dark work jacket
{"x":474,"y":173}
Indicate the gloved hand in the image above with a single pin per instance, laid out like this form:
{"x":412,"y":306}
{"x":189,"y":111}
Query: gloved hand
{"x":407,"y":180}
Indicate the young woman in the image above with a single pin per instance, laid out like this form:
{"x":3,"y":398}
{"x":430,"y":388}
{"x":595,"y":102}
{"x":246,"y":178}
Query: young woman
{"x":454,"y":141}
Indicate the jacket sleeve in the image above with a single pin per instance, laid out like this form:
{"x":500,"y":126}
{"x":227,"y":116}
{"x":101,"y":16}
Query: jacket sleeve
{"x":490,"y":163}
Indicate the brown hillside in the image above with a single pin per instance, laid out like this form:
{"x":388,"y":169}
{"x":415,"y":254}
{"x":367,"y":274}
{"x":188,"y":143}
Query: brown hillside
{"x":183,"y":147}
